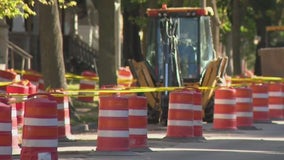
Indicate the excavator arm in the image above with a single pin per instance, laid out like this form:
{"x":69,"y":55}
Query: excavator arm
{"x":141,"y":72}
{"x":212,"y":78}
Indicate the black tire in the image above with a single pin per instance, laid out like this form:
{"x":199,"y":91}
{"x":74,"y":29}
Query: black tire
{"x":153,"y":115}
{"x":209,"y":111}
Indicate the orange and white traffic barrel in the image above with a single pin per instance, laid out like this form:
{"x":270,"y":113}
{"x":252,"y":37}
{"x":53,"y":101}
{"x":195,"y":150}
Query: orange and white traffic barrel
{"x":260,"y":102}
{"x":32,"y":88}
{"x":124,"y":77}
{"x":6,"y":145}
{"x":283,"y":99}
{"x":137,"y":106}
{"x":5,"y":132}
{"x":228,"y":80}
{"x":275,"y":101}
{"x":113,"y":90}
{"x":244,"y":107}
{"x":63,"y":115}
{"x":22,"y":92}
{"x":41,"y":86}
{"x":88,"y":83}
{"x":15,"y":136}
{"x":108,"y":90}
{"x":180,"y":115}
{"x":225,"y":109}
{"x":6,"y":76}
{"x":197,"y":114}
{"x":33,"y":76}
{"x":40,"y":134}
{"x":113,"y":130}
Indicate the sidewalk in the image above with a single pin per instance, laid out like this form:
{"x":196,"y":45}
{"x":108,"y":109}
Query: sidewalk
{"x":83,"y":144}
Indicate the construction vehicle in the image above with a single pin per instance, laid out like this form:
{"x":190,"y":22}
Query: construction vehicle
{"x":179,"y":54}
{"x":272,"y":54}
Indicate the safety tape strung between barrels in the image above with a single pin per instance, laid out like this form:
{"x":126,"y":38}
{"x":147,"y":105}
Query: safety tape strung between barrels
{"x":6,"y":83}
{"x":241,"y":81}
{"x":257,"y":79}
{"x":95,"y":92}
{"x":67,"y":75}
{"x":234,"y":79}
{"x":73,"y":76}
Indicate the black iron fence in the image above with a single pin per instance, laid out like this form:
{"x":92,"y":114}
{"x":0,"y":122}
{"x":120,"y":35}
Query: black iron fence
{"x":78,"y":55}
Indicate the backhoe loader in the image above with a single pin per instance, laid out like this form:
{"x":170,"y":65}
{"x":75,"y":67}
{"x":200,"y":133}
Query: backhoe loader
{"x":179,"y":54}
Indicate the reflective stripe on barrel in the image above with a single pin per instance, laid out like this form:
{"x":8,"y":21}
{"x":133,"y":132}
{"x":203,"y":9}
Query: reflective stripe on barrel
{"x":197,"y":115}
{"x":224,"y":109}
{"x":244,"y":107}
{"x":137,"y":121}
{"x":113,"y":130}
{"x":275,"y":101}
{"x":40,"y":129}
{"x":5,"y":132}
{"x":260,"y":102}
{"x":180,"y":115}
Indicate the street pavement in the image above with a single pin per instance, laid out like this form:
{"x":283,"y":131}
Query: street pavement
{"x":264,"y":142}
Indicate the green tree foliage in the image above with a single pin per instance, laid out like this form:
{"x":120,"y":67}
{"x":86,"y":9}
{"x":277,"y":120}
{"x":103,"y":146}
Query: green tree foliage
{"x":258,"y":15}
{"x":24,"y":8}
{"x":51,"y":48}
{"x":13,"y":8}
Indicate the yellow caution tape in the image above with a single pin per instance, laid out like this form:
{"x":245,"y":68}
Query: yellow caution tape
{"x":73,"y":76}
{"x":5,"y":83}
{"x":234,"y":79}
{"x":236,"y":82}
{"x":257,"y":79}
{"x":22,"y":72}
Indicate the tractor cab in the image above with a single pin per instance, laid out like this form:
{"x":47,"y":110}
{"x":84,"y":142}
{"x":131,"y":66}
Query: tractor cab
{"x":179,"y":43}
{"x":179,"y":53}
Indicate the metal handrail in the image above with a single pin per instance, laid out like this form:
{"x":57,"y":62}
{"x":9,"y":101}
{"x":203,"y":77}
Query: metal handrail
{"x":26,"y":57}
{"x":81,"y":52}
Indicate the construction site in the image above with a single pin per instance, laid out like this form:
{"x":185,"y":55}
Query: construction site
{"x":177,"y":102}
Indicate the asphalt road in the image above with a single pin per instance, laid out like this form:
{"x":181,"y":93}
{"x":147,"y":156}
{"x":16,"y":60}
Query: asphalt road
{"x":263,"y":143}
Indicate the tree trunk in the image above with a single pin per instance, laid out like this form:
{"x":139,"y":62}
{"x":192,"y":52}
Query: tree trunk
{"x":229,"y":52}
{"x":3,"y":44}
{"x":51,"y":49}
{"x":261,"y":22}
{"x":236,"y":38}
{"x":216,"y":28}
{"x":131,"y":39}
{"x":106,"y":57}
{"x":203,"y":3}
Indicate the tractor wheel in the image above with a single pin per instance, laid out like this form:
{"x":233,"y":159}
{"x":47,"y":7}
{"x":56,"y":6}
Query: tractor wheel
{"x":153,"y":115}
{"x":209,"y":111}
